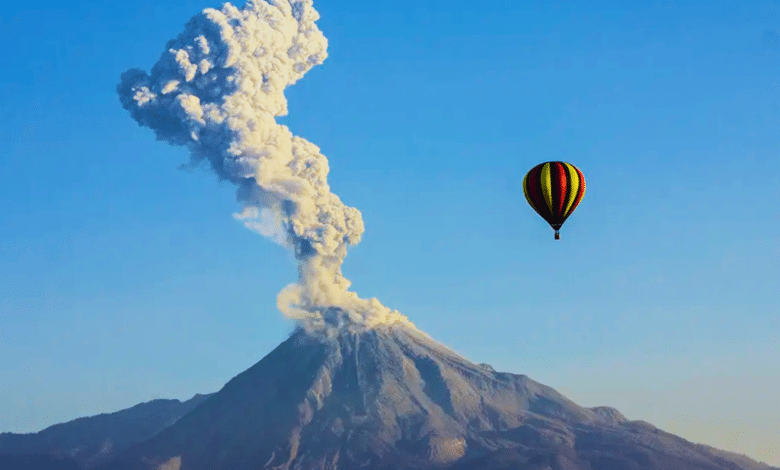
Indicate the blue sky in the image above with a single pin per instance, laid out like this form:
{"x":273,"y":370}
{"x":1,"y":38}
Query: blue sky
{"x":123,"y":278}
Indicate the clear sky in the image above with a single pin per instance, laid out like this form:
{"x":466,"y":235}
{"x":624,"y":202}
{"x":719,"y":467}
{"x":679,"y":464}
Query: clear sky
{"x":124,"y":278}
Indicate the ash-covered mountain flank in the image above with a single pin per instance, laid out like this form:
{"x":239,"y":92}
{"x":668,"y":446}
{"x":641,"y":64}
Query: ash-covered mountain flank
{"x":393,"y":398}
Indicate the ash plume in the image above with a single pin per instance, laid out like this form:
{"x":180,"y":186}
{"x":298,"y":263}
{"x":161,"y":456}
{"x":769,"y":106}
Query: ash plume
{"x":217,"y":90}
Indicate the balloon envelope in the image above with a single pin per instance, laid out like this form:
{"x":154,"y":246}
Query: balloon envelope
{"x":554,"y":189}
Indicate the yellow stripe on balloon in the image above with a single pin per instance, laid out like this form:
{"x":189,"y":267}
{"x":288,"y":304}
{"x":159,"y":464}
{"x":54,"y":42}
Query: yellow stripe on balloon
{"x":546,"y":181}
{"x":525,"y":190}
{"x":525,"y":186}
{"x":527,"y":195}
{"x":574,"y":184}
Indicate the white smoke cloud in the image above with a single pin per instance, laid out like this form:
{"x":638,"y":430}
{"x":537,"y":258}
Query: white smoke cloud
{"x":217,"y":89}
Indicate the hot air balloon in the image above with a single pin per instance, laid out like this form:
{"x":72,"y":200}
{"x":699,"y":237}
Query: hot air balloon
{"x":554,"y":189}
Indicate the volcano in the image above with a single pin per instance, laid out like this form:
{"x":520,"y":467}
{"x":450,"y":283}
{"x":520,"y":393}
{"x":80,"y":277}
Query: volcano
{"x":393,"y":398}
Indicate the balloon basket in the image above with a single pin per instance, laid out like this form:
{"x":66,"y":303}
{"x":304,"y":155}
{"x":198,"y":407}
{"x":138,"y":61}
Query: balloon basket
{"x":557,"y":236}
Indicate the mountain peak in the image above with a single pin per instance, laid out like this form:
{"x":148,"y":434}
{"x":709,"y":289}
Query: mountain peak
{"x":392,"y":397}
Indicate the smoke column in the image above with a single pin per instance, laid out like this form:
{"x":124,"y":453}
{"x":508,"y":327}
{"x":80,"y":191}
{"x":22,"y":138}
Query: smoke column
{"x":217,"y":89}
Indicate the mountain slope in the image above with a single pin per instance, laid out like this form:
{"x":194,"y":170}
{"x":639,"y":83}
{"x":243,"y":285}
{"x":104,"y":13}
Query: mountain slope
{"x":94,"y":440}
{"x":36,"y":462}
{"x":394,"y":398}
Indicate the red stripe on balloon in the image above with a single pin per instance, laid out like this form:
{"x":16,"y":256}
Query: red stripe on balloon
{"x":535,"y":191}
{"x":559,"y":184}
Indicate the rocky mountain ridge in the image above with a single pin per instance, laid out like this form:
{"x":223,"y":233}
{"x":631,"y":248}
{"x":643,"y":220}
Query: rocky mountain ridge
{"x":395,"y":398}
{"x":94,"y":440}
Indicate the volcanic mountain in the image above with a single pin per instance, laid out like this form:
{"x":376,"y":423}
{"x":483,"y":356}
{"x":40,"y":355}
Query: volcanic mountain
{"x":393,"y":398}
